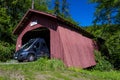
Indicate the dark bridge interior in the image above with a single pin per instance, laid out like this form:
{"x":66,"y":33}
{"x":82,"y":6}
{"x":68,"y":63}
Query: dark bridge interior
{"x":37,"y":33}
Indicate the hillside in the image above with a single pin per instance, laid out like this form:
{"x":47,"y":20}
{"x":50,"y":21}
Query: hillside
{"x":44,"y":69}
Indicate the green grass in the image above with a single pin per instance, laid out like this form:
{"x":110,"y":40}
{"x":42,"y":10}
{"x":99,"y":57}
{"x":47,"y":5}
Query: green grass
{"x":44,"y":69}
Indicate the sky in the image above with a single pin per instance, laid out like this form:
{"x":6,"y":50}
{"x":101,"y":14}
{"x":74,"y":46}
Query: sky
{"x":82,"y":11}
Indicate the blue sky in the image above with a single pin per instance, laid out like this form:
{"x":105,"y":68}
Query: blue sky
{"x":82,"y":11}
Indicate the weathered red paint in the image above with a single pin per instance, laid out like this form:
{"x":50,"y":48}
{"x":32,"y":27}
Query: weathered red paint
{"x":78,"y":49}
{"x":66,"y":42}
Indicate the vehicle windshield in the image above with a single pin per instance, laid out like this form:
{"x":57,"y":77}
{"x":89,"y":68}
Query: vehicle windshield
{"x":28,"y":44}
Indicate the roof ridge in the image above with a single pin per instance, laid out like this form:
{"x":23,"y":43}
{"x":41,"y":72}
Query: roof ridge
{"x":31,"y":11}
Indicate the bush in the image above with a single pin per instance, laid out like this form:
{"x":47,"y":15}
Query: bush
{"x":102,"y":63}
{"x":6,"y":51}
{"x":113,"y":44}
{"x":111,"y":47}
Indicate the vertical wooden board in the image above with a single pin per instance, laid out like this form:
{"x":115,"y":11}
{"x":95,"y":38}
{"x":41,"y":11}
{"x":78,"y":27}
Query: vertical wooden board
{"x":90,"y":50}
{"x":55,"y":45}
{"x":67,"y":56}
{"x":77,"y":50}
{"x":68,"y":44}
{"x":85,"y":50}
{"x":81,"y":48}
{"x":72,"y":47}
{"x":18,"y":43}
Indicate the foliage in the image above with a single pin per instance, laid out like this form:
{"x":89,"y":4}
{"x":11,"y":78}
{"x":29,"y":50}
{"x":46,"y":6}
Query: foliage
{"x":61,"y":8}
{"x":57,"y":7}
{"x":4,"y":23}
{"x":31,"y":69}
{"x":65,"y":9}
{"x":6,"y":37}
{"x":105,"y":75}
{"x":16,"y":10}
{"x":102,"y":63}
{"x":42,"y":5}
{"x":44,"y":64}
{"x":6,"y":51}
{"x":114,"y":49}
{"x":107,"y":11}
{"x":111,"y":35}
{"x":51,"y":70}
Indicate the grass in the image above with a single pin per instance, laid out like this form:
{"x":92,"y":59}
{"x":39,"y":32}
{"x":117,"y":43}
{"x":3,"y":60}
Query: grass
{"x":44,"y":69}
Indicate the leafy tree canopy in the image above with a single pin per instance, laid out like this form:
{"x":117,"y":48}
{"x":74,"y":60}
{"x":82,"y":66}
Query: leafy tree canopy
{"x":107,"y":11}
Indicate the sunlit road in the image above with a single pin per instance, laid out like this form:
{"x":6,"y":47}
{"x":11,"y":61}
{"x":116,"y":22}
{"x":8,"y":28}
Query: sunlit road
{"x":12,"y":62}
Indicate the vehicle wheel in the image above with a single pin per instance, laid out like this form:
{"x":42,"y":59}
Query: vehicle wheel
{"x":30,"y":58}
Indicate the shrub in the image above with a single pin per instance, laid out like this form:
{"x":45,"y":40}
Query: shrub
{"x":113,"y":44}
{"x":6,"y":51}
{"x":102,"y":63}
{"x":111,"y":35}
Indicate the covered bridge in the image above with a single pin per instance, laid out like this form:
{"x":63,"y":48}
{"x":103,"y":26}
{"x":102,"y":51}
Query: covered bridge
{"x":67,"y":42}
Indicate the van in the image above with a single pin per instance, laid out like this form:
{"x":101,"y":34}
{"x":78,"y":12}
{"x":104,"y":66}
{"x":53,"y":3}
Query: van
{"x":32,"y":50}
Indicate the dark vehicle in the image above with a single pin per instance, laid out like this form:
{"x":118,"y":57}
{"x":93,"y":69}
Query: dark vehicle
{"x":32,"y":50}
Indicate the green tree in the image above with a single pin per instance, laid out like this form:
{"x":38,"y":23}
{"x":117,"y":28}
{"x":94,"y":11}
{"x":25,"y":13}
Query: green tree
{"x":65,"y":8}
{"x":4,"y":25}
{"x":111,"y":46}
{"x":11,"y":11}
{"x":57,"y":7}
{"x":107,"y":11}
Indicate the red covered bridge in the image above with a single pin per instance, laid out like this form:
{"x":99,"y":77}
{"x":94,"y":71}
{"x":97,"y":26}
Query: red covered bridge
{"x":68,"y":42}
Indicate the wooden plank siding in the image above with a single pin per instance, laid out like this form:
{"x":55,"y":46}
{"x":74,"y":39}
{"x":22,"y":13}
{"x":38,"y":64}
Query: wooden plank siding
{"x":66,"y":42}
{"x":78,"y":50}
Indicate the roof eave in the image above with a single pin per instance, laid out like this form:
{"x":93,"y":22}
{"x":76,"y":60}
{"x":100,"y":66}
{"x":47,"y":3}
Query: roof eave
{"x":31,"y":11}
{"x":25,"y":17}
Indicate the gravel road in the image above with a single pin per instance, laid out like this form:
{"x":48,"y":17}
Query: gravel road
{"x":10,"y":62}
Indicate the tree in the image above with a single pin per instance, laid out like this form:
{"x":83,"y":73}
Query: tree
{"x":65,"y":8}
{"x":107,"y":11}
{"x":57,"y":7}
{"x":42,"y":5}
{"x":4,"y":25}
{"x":11,"y":11}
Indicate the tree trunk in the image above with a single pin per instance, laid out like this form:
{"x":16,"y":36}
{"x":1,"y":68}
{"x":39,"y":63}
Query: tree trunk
{"x":32,"y":4}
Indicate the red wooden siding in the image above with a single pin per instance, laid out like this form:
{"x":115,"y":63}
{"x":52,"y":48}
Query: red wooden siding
{"x":42,"y":22}
{"x":78,"y":50}
{"x":74,"y":49}
{"x":56,"y":45}
{"x":19,"y":39}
